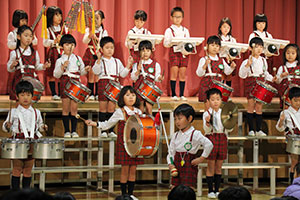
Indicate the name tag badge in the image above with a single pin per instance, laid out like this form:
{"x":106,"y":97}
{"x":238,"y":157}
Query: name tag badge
{"x":151,"y":69}
{"x":221,"y":66}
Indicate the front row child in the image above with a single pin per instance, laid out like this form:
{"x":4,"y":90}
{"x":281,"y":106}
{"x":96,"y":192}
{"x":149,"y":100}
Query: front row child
{"x":217,"y":134}
{"x":108,"y":69}
{"x":24,"y":122}
{"x":146,"y":69}
{"x":212,"y":67}
{"x":289,"y":122}
{"x":293,"y":190}
{"x":69,"y":66}
{"x":184,"y":145}
{"x":128,"y":105}
{"x":253,"y":69}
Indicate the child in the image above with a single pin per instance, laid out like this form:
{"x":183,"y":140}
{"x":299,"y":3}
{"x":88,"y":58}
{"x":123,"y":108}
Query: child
{"x":20,"y":18}
{"x":69,"y":66}
{"x":252,"y":69}
{"x":90,"y":55}
{"x":108,"y":68}
{"x":217,"y":134}
{"x":178,"y":63}
{"x":293,"y":189}
{"x":140,"y":18}
{"x":235,"y":193}
{"x":182,"y":192}
{"x":211,"y":67}
{"x":224,"y":32}
{"x":128,"y":105}
{"x":54,"y":26}
{"x":184,"y":145}
{"x":24,"y":122}
{"x":24,"y":60}
{"x":289,"y":73}
{"x":290,"y":123}
{"x":260,"y":26}
{"x":146,"y":69}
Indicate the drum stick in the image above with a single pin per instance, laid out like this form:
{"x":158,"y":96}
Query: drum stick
{"x":70,"y":51}
{"x":78,"y":117}
{"x":44,"y":119}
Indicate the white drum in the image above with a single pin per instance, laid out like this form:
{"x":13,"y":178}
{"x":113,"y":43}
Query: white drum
{"x":14,"y":148}
{"x":48,"y":148}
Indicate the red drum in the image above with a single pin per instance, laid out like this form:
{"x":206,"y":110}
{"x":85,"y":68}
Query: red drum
{"x":225,"y":89}
{"x":112,"y":90}
{"x":149,"y":91}
{"x":285,"y":96}
{"x":38,"y":88}
{"x":263,"y":92}
{"x":141,"y":137}
{"x":77,"y":91}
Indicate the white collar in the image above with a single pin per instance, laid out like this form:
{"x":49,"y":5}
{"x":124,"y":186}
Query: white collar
{"x":132,"y":112}
{"x":99,"y":29}
{"x":216,"y":57}
{"x":176,"y":27}
{"x":227,"y":37}
{"x":138,"y":29}
{"x":292,"y":110}
{"x":22,"y":109}
{"x":293,"y":64}
{"x":66,"y":56}
{"x":213,"y":111}
{"x":187,"y":131}
{"x":149,"y":61}
{"x":107,"y":59}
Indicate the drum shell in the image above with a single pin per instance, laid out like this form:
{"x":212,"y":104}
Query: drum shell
{"x":147,"y":141}
{"x":77,"y":91}
{"x":263,"y":92}
{"x":225,"y":89}
{"x":112,"y":91}
{"x":149,"y":91}
{"x":38,"y":88}
{"x":44,"y":150}
{"x":14,"y":150}
{"x":293,"y":145}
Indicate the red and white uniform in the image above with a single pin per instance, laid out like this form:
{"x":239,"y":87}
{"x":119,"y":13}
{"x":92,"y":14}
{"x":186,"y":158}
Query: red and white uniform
{"x":12,"y":39}
{"x":262,"y":35}
{"x":291,"y":121}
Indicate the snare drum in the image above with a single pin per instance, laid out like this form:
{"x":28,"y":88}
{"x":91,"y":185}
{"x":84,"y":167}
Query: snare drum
{"x":141,"y":137}
{"x":293,"y":144}
{"x":263,"y":92}
{"x":286,"y":94}
{"x":112,"y":90}
{"x":225,"y":89}
{"x":77,"y":91}
{"x":14,"y":148}
{"x":48,"y":148}
{"x":149,"y":91}
{"x":38,"y":88}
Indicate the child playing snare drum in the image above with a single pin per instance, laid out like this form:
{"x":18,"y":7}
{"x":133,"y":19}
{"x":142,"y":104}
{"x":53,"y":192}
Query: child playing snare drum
{"x":24,"y":122}
{"x":253,"y":69}
{"x":108,"y":69}
{"x":289,"y":122}
{"x":146,"y":69}
{"x":69,"y":66}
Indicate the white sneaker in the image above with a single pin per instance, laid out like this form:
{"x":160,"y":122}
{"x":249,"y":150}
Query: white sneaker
{"x":217,"y":194}
{"x":75,"y":135}
{"x":104,"y":134}
{"x":175,"y":98}
{"x":112,"y":135}
{"x":96,"y":97}
{"x":183,"y":98}
{"x":251,"y":133}
{"x":92,"y":98}
{"x":133,"y":197}
{"x":211,"y":195}
{"x":67,"y":135}
{"x":260,"y":134}
{"x":55,"y":97}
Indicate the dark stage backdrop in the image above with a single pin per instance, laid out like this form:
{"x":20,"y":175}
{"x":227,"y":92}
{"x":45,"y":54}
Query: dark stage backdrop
{"x":201,"y":18}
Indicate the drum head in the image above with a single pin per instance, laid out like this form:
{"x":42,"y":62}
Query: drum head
{"x":153,"y":86}
{"x":35,"y":83}
{"x":81,"y":86}
{"x":132,"y":135}
{"x":267,"y":86}
{"x":116,"y":84}
{"x":222,"y":85}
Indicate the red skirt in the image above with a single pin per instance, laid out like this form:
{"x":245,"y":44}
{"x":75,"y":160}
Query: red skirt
{"x":122,"y":157}
{"x":219,"y":151}
{"x":187,"y":174}
{"x":205,"y":84}
{"x":54,"y":55}
{"x":88,"y":58}
{"x":102,"y":83}
{"x":176,"y":59}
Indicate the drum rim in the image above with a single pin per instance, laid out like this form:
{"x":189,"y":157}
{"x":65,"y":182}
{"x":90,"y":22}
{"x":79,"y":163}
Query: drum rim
{"x":50,"y":141}
{"x":124,"y":138}
{"x":15,"y":140}
{"x":109,"y":97}
{"x":39,"y":83}
{"x":80,"y":85}
{"x":222,"y":85}
{"x":269,"y":88}
{"x":259,"y":100}
{"x":145,"y":97}
{"x":155,"y":86}
{"x":115,"y":83}
{"x":72,"y":97}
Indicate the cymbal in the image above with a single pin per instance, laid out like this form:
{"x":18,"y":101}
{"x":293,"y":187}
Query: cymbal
{"x":229,"y":115}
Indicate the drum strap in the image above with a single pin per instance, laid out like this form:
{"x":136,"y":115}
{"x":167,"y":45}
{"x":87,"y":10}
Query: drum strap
{"x":21,"y":66}
{"x":256,"y":34}
{"x":173,"y":32}
{"x":295,"y":121}
{"x":117,"y":70}
{"x":33,"y":127}
{"x":144,"y":31}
